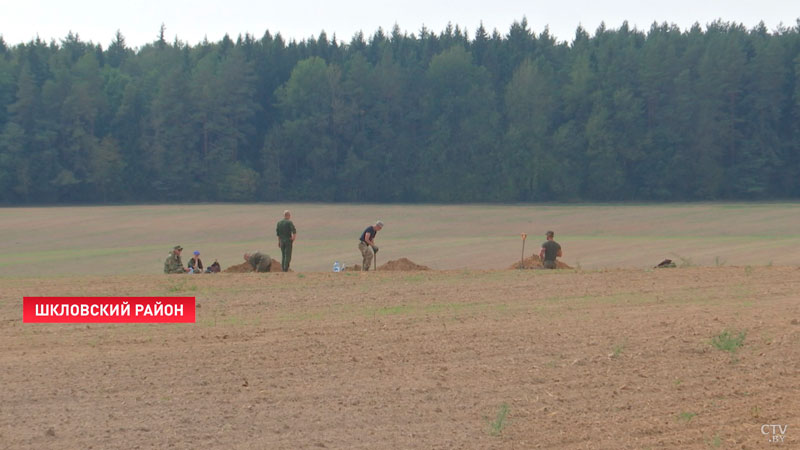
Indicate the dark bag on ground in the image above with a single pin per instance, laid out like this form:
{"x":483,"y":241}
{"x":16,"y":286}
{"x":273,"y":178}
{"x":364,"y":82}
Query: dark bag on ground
{"x":213,"y":268}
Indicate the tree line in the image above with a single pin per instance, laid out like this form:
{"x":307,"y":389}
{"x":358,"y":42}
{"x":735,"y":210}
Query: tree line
{"x":658,"y":115}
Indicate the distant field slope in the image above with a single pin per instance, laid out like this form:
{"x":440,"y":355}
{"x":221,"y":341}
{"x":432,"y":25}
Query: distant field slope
{"x":136,"y":239}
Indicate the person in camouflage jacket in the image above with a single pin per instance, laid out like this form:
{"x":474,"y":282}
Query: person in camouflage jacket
{"x":260,"y":261}
{"x":173,"y":263}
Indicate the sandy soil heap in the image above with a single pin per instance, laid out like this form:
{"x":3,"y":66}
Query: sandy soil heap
{"x":533,"y":262}
{"x":402,"y":264}
{"x":353,"y":268}
{"x":245,"y":267}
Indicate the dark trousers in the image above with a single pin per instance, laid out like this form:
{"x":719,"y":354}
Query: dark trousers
{"x":286,"y":254}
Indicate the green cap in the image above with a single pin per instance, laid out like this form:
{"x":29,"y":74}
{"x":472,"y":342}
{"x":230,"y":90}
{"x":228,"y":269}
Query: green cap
{"x":177,"y":247}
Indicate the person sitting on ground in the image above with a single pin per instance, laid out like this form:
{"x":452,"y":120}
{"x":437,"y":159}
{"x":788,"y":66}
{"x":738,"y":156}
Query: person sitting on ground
{"x":173,"y":263}
{"x":550,"y":251}
{"x":366,"y":241}
{"x":259,"y":261}
{"x":195,"y":264}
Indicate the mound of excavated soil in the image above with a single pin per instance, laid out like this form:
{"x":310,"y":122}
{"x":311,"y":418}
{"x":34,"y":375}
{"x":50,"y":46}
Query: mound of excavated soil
{"x":239,"y":268}
{"x":402,"y":264}
{"x":533,"y":262}
{"x":245,"y":267}
{"x":353,"y":268}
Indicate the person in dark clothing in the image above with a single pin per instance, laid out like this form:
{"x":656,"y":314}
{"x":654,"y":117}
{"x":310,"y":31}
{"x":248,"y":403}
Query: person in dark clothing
{"x":286,"y":234}
{"x":366,"y":244}
{"x":550,"y":251}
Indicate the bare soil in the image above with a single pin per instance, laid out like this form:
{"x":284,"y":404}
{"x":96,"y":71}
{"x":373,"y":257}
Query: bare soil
{"x":617,"y":359}
{"x":533,"y":262}
{"x":245,"y":267}
{"x":402,"y":264}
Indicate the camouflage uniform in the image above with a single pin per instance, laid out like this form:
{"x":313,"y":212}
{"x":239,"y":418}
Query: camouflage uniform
{"x":260,"y":262}
{"x":173,"y":263}
{"x":366,"y":255}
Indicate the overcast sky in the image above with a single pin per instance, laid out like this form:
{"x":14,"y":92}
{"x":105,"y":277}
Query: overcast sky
{"x":192,"y":20}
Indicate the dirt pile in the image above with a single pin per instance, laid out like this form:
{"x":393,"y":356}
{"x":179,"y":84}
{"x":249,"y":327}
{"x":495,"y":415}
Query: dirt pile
{"x":239,"y":268}
{"x":353,"y":268}
{"x":402,"y":264}
{"x":245,"y":267}
{"x":533,"y":262}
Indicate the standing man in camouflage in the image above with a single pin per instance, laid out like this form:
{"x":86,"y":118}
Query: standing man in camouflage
{"x":286,"y":234}
{"x":550,"y":251}
{"x":259,"y":261}
{"x":173,"y":263}
{"x":367,"y":241}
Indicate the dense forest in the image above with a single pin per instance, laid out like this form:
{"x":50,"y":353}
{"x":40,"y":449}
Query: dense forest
{"x":665,"y":114}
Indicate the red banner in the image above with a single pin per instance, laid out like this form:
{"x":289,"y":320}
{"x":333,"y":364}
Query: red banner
{"x":108,"y":309}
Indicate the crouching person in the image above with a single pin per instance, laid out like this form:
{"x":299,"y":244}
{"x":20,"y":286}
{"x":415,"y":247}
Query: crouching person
{"x":366,"y":244}
{"x":259,"y":261}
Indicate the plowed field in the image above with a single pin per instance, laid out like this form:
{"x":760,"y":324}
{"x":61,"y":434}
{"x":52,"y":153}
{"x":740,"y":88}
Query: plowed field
{"x":609,"y":359}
